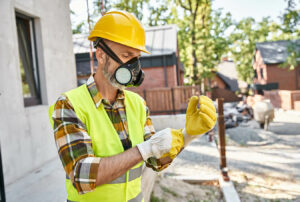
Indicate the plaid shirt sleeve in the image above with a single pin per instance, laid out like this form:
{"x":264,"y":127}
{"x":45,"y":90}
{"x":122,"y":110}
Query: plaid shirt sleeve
{"x":74,"y":147}
{"x":149,"y":131}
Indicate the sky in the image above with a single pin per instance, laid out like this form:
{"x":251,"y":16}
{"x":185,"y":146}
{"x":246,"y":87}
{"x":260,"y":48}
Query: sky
{"x":257,"y":9}
{"x":239,"y":9}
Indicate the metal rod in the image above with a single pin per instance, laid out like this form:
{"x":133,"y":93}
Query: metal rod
{"x":102,"y":8}
{"x":222,"y":143}
{"x":91,"y":45}
{"x":173,"y":100}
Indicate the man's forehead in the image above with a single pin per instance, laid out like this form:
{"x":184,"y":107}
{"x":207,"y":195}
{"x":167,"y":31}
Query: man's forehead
{"x":132,"y":53}
{"x":122,"y":48}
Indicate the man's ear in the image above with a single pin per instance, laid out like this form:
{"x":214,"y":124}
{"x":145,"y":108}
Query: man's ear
{"x":100,"y":55}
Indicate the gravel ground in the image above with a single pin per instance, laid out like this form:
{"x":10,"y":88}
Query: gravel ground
{"x":263,"y":165}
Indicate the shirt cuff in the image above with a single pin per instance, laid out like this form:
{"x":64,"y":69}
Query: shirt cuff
{"x":85,"y":174}
{"x":156,"y":165}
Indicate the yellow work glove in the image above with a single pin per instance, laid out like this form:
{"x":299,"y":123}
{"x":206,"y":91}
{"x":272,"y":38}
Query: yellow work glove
{"x":199,"y":120}
{"x":165,"y":160}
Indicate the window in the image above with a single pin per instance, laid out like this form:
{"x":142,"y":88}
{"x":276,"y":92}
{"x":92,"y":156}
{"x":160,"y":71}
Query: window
{"x":28,"y":60}
{"x":255,"y":73}
{"x":262,"y":73}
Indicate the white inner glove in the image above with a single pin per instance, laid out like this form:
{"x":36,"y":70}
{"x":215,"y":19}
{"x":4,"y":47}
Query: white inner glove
{"x":159,"y":144}
{"x":188,"y":138}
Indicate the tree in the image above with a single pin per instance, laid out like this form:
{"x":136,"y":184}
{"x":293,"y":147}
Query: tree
{"x":132,"y":6}
{"x":291,"y":18}
{"x":246,"y":33}
{"x":291,"y":28}
{"x":201,"y":38}
{"x":78,"y":28}
{"x":159,"y":13}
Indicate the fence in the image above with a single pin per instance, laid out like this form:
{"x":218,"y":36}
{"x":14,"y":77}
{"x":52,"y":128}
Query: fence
{"x":168,"y":100}
{"x":174,"y":100}
{"x":285,"y":99}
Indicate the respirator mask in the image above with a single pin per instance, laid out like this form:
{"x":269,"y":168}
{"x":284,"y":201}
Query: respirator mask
{"x":127,"y":74}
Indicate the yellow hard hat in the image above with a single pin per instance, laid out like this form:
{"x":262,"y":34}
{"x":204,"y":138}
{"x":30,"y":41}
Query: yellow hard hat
{"x":121,"y":27}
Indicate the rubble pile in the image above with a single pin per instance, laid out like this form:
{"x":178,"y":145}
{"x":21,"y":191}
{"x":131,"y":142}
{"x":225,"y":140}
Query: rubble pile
{"x":236,"y":113}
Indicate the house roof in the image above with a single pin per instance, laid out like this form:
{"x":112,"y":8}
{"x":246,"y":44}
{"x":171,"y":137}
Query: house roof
{"x":160,"y":40}
{"x":276,"y":52}
{"x":227,"y":72}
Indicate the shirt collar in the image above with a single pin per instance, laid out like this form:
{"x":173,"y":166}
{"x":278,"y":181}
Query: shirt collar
{"x":96,"y":95}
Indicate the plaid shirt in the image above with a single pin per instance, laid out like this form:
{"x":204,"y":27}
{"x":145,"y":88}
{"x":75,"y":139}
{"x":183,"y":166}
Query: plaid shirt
{"x":74,"y":143}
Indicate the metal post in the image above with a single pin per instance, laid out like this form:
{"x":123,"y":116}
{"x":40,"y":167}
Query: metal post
{"x":173,"y":100}
{"x":2,"y":190}
{"x":102,"y":8}
{"x":91,"y":44}
{"x":222,"y":144}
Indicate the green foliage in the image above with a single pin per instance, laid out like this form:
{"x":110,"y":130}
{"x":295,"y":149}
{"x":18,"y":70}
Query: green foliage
{"x":294,"y":54}
{"x":159,"y":13}
{"x":244,"y":37}
{"x":78,"y":28}
{"x":156,"y":199}
{"x":291,"y":28}
{"x":132,"y":6}
{"x":291,"y":18}
{"x":201,"y":37}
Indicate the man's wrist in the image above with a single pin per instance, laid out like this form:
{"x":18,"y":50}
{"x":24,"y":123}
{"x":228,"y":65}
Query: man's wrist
{"x":188,"y":138}
{"x":145,"y":150}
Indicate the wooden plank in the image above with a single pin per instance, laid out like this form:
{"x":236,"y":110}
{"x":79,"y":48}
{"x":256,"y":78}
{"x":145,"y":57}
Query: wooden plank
{"x":229,"y":192}
{"x":148,"y":181}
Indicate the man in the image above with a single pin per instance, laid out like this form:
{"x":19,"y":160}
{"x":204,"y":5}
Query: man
{"x":103,"y":133}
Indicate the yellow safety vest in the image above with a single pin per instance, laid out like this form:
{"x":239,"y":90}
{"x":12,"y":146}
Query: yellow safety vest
{"x":106,"y":142}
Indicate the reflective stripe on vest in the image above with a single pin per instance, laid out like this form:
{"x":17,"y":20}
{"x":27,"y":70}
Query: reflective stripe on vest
{"x":138,"y":198}
{"x":133,"y":174}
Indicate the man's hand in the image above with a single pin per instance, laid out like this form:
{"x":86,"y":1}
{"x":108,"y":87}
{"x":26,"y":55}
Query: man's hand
{"x":159,"y":164}
{"x":199,"y":120}
{"x":163,"y":143}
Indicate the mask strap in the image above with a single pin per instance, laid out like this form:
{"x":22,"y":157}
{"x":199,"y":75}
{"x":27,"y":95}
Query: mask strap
{"x":100,"y":43}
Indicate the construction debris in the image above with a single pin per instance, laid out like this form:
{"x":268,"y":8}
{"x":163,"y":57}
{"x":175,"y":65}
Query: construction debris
{"x":236,"y":113}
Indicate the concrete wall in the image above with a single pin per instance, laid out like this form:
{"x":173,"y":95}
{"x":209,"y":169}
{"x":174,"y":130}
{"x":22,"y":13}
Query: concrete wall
{"x":161,"y":122}
{"x":284,"y":99}
{"x":26,"y":138}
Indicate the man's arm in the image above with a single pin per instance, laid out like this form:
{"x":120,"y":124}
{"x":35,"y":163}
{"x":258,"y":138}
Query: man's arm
{"x":113,"y":167}
{"x":75,"y":151}
{"x":74,"y":147}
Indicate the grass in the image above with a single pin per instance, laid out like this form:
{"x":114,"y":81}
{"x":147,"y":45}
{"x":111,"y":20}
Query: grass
{"x":156,"y":199}
{"x":165,"y":189}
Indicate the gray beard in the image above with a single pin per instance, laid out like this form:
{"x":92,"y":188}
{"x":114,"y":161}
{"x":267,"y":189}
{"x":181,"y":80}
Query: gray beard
{"x":110,"y":76}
